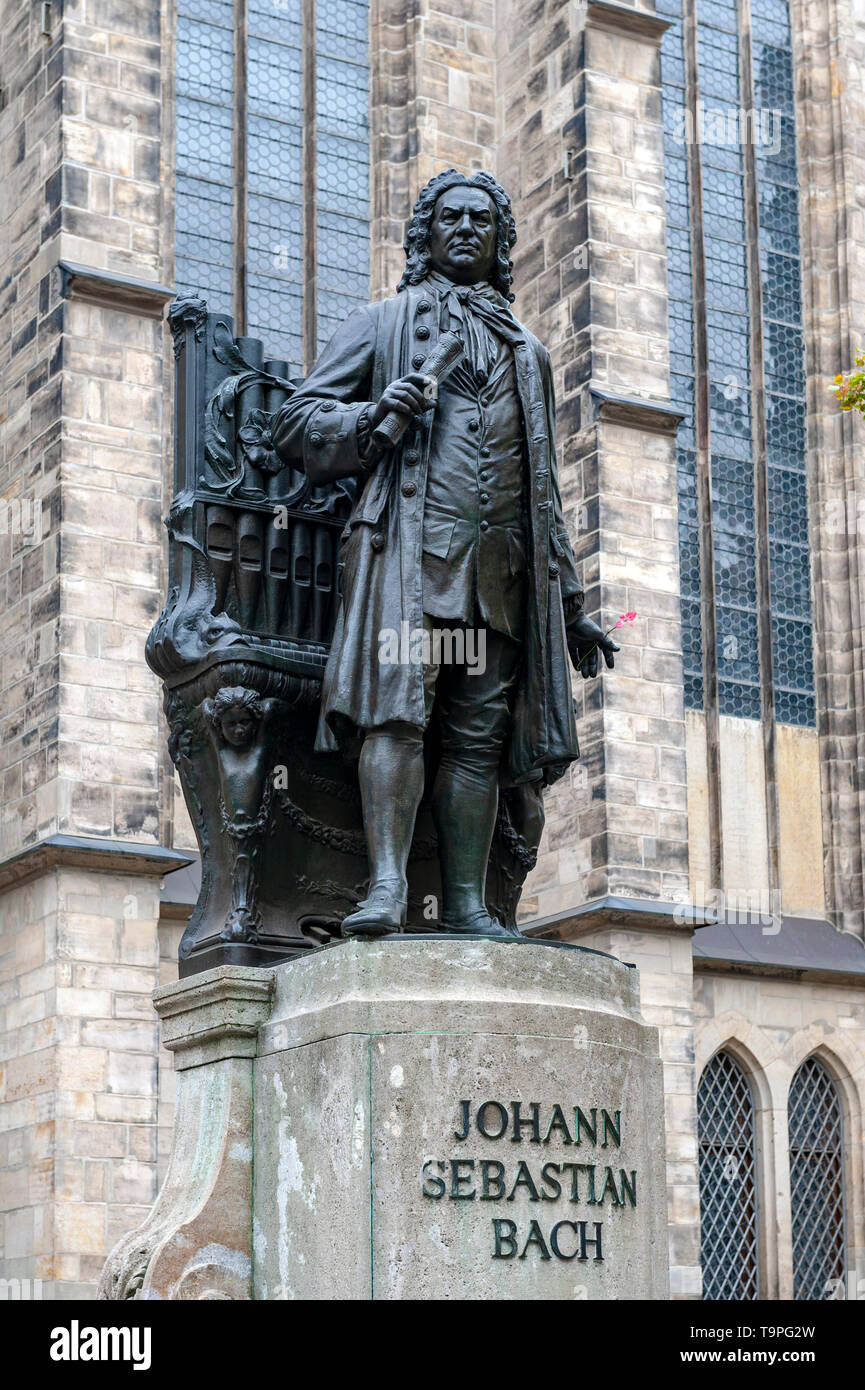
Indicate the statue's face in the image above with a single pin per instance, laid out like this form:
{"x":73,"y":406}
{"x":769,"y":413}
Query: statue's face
{"x":238,"y":727}
{"x":463,"y":235}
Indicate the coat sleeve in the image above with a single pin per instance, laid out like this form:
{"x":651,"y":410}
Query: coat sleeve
{"x":572,"y":589}
{"x":318,"y":427}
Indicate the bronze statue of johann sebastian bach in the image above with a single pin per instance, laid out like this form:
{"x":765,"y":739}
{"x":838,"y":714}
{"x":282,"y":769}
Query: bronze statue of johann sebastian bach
{"x":459,"y":524}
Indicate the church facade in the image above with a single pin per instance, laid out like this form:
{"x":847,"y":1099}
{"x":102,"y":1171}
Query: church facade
{"x":686,"y":180}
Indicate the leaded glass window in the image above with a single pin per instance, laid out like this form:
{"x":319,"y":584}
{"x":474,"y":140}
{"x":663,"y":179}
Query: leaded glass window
{"x":273,"y":165}
{"x":342,"y":80}
{"x":204,"y":208}
{"x":732,"y":103}
{"x":728,"y":335}
{"x":817,"y":1184}
{"x":681,"y":308}
{"x":728,"y":1181}
{"x":784,"y":360}
{"x":274,"y":175}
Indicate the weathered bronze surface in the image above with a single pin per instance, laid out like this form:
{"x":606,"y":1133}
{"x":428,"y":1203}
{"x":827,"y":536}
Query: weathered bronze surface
{"x":338,"y":782}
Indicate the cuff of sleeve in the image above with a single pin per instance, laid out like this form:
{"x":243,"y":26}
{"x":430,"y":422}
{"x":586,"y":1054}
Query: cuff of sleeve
{"x":367,"y":450}
{"x":330,"y":440}
{"x":573,"y":607}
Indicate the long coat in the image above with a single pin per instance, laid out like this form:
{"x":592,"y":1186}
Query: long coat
{"x":382,"y":581}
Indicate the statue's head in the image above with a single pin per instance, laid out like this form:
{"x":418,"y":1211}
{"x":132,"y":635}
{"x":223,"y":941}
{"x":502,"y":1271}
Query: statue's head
{"x":463,"y":226}
{"x":237,"y":711}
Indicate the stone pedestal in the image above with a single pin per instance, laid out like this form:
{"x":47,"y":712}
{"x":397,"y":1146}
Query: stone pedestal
{"x":458,"y":1120}
{"x":409,"y":1119}
{"x":195,"y":1244}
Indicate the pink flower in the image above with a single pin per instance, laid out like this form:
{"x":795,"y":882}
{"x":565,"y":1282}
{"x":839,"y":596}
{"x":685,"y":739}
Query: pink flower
{"x":626,"y":620}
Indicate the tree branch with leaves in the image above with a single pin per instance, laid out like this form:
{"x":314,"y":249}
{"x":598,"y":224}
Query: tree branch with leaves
{"x":850,"y":390}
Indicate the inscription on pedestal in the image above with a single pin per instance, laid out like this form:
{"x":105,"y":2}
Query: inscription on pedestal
{"x":471,"y":1121}
{"x":564,"y":1181}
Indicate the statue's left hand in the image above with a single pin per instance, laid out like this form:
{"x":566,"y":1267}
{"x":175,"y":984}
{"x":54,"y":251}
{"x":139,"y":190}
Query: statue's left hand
{"x":585,"y":641}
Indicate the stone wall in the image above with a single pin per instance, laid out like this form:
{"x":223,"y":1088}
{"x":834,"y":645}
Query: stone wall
{"x":82,"y":460}
{"x":78,"y":965}
{"x":111,"y":740}
{"x":30,"y":428}
{"x":432,"y":108}
{"x":85,"y":383}
{"x":743,"y":819}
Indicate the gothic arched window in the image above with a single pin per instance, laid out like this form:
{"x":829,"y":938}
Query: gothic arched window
{"x":728,"y":1181}
{"x":272,"y":199}
{"x":817,"y":1184}
{"x":737,"y":357}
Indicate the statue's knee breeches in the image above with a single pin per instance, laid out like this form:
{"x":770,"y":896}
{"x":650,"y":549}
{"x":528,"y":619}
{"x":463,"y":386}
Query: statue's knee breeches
{"x":474,"y":708}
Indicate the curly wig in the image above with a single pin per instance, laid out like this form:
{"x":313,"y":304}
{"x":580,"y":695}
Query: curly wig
{"x":417,"y":237}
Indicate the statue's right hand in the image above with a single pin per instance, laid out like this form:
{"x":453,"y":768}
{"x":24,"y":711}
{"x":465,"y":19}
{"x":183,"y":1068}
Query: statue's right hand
{"x":408,"y":395}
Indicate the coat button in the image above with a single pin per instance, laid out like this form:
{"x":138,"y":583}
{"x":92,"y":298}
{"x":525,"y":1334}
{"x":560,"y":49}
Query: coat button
{"x":316,"y":439}
{"x":418,"y":360}
{"x":483,"y":476}
{"x":328,"y":405}
{"x":408,"y":489}
{"x":377,"y":540}
{"x":485,"y":453}
{"x":411,"y":456}
{"x":424,"y":306}
{"x":474,"y":426}
{"x":554,"y":570}
{"x":485,"y":525}
{"x":485,"y":497}
{"x":422,"y":332}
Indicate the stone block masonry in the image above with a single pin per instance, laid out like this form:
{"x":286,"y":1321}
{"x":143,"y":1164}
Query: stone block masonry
{"x":580,"y":116}
{"x":78,"y":964}
{"x":82,"y":434}
{"x":433,"y":108}
{"x":82,"y":449}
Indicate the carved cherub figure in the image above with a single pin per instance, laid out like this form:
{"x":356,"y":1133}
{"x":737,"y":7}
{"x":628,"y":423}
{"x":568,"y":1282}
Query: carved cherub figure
{"x":238,"y":719}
